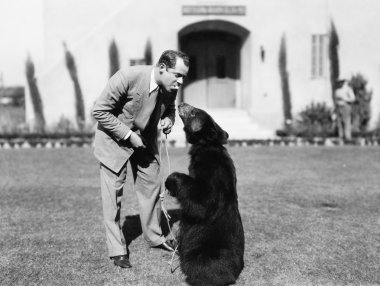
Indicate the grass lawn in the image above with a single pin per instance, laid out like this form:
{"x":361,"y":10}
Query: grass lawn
{"x":311,"y":217}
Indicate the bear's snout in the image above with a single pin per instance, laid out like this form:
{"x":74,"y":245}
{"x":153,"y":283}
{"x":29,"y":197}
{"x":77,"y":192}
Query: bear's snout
{"x":171,"y":184}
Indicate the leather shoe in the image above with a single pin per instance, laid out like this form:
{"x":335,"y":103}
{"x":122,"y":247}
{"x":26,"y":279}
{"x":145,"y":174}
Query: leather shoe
{"x":168,"y":245}
{"x":121,"y":261}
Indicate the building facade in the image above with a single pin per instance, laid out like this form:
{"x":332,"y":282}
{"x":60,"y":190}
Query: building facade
{"x":234,"y":48}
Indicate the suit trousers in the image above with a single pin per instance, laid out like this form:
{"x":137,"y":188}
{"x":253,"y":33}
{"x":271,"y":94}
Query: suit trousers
{"x":147,"y":185}
{"x":344,"y":121}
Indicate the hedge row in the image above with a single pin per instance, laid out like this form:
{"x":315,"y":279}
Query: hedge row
{"x":86,"y":141}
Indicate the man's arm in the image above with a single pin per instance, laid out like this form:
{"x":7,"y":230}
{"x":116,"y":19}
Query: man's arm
{"x":110,"y":99}
{"x":168,"y":117}
{"x":350,"y":95}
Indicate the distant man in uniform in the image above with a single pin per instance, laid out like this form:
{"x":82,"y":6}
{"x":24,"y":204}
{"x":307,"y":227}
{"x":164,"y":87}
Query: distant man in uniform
{"x":344,"y":97}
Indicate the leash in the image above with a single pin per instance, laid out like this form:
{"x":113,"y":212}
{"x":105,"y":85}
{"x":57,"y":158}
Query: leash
{"x":163,"y":188}
{"x":162,"y":198}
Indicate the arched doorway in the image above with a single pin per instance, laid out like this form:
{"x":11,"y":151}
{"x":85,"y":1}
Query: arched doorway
{"x":214,"y":48}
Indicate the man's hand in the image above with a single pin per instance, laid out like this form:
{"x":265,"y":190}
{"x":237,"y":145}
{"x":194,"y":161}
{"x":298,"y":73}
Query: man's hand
{"x":166,"y":125}
{"x":137,"y":141}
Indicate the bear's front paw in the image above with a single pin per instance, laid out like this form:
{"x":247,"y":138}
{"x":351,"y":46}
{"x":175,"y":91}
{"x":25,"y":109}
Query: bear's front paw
{"x":172,"y":183}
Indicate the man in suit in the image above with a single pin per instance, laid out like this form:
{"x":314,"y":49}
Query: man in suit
{"x":128,"y":112}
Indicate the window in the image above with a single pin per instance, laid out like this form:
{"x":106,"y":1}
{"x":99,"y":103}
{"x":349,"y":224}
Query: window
{"x":318,"y":55}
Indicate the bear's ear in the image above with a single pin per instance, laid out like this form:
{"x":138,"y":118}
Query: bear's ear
{"x":196,"y":125}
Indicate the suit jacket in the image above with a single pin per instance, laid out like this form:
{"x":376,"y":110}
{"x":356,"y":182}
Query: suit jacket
{"x":116,"y":110}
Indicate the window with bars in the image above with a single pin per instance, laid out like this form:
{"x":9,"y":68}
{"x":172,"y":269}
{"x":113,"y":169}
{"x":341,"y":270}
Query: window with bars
{"x":318,"y":55}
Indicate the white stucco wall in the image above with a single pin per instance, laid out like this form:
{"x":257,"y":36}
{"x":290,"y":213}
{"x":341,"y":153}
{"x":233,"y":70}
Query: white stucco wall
{"x":88,"y":28}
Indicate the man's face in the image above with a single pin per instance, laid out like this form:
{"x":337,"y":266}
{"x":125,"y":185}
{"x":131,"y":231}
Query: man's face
{"x":172,"y":78}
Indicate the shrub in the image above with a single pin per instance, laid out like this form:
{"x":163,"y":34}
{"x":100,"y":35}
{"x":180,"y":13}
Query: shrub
{"x":334,"y":58}
{"x":361,"y":109}
{"x":286,"y":96}
{"x":79,"y":103}
{"x":114,"y":58}
{"x":148,"y":53}
{"x":12,"y":119}
{"x":63,"y":126}
{"x":39,"y":123}
{"x":316,"y":120}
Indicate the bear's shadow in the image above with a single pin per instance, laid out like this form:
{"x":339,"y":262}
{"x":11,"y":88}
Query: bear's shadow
{"x":132,"y":225}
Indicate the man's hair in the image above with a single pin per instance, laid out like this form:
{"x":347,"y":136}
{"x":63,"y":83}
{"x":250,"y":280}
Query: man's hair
{"x":169,"y":58}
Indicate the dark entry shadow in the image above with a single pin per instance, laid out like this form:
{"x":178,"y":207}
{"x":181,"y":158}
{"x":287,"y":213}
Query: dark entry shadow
{"x":132,"y":225}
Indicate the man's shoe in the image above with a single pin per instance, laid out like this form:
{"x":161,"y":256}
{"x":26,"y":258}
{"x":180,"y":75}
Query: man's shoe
{"x":168,"y":245}
{"x":121,"y":261}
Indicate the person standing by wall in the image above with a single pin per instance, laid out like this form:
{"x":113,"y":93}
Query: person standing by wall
{"x":128,"y":112}
{"x":344,"y":97}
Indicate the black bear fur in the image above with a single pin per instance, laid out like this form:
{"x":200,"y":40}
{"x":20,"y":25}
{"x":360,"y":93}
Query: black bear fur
{"x":211,"y":236}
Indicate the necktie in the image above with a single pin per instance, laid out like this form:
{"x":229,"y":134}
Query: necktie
{"x":146,"y":111}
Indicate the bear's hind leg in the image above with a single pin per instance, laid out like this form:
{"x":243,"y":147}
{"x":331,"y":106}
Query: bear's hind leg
{"x":211,"y":273}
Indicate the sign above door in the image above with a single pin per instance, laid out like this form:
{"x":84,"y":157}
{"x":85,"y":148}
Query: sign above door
{"x":213,"y":10}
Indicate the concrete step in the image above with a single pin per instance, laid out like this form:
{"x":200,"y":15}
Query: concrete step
{"x":236,"y":122}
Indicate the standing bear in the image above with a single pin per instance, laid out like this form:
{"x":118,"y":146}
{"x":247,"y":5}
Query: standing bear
{"x":211,"y":235}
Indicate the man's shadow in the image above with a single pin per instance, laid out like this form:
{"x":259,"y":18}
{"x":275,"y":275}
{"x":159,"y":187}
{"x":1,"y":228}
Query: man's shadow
{"x":132,"y":225}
